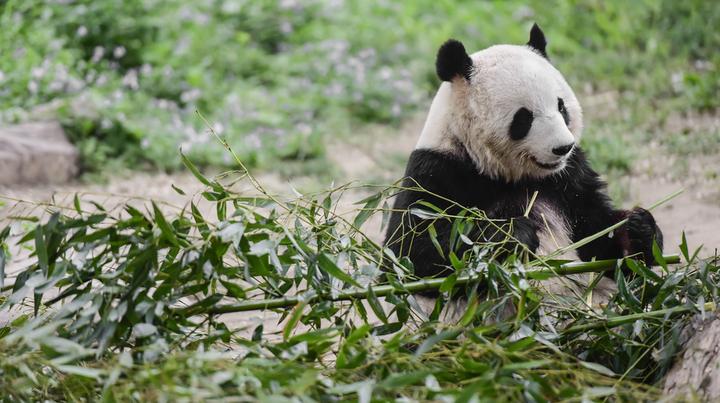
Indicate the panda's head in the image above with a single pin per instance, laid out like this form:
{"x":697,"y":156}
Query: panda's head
{"x":513,"y":112}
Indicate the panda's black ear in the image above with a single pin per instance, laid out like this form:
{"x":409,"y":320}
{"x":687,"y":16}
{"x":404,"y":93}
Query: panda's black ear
{"x":537,"y":40}
{"x":453,"y":61}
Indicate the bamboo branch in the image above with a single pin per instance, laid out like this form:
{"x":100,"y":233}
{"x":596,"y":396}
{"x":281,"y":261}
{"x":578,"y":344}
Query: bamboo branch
{"x":414,"y":287}
{"x":621,"y":320}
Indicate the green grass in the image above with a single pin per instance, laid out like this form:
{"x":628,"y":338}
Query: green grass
{"x":277,"y":79}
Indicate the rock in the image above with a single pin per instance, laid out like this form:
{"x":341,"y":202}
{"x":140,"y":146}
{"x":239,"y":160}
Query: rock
{"x":36,"y":153}
{"x":696,"y":372}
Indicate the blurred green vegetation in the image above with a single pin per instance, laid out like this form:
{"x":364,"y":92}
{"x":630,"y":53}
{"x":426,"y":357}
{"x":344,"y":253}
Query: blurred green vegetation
{"x":275,"y":78}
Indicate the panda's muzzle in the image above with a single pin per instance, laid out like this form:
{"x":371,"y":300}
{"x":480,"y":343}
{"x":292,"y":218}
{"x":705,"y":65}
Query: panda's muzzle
{"x":562,"y":152}
{"x":550,"y":166}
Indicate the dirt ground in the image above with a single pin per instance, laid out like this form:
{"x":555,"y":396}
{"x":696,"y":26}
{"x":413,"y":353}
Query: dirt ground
{"x":379,"y":156}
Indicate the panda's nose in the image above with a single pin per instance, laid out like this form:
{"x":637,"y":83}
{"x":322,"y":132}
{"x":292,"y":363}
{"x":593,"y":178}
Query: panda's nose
{"x":562,"y":150}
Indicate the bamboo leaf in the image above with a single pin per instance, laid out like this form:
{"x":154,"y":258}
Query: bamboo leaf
{"x":85,"y":372}
{"x":598,"y":368}
{"x":449,"y":283}
{"x":367,"y":210}
{"x":456,"y":263}
{"x":526,"y":365}
{"x":3,"y":258}
{"x":376,"y":306}
{"x":642,"y":270}
{"x":433,"y":237}
{"x":684,"y":248}
{"x":41,"y":249}
{"x":177,"y":189}
{"x":329,"y":267}
{"x":193,"y":169}
{"x":76,"y":203}
{"x":470,"y":311}
{"x":165,"y":228}
{"x":3,"y":254}
{"x":434,"y":339}
{"x":233,"y":289}
{"x":395,"y":381}
{"x":657,"y":254}
{"x":293,"y":320}
{"x":199,"y":221}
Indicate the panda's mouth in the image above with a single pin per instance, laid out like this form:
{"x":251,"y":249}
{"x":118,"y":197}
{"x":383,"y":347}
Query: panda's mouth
{"x":551,"y":167}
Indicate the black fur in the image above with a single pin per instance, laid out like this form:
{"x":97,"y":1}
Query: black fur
{"x":453,"y":61}
{"x":537,"y":40}
{"x":577,"y":192}
{"x":641,"y":229}
{"x":563,"y":111}
{"x":521,"y":123}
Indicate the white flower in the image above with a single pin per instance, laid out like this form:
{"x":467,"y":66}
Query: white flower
{"x":218,"y":128}
{"x":81,"y":31}
{"x":37,"y":72}
{"x":98,"y":53}
{"x":286,"y":27}
{"x":190,"y":96}
{"x":119,"y":52}
{"x":33,"y":87}
{"x":287,"y":4}
{"x":130,"y":79}
{"x":146,"y":69}
{"x":677,"y":81}
{"x":186,"y":146}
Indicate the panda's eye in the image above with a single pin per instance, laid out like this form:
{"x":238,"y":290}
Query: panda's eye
{"x":521,"y":123}
{"x":563,"y":111}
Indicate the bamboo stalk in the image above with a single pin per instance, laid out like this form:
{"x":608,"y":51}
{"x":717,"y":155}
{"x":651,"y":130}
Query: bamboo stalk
{"x":414,"y":287}
{"x":621,"y":320}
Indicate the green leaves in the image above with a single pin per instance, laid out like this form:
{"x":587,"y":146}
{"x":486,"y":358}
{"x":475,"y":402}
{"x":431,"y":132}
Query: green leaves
{"x":161,"y":284}
{"x":329,"y":267}
{"x":167,"y":231}
{"x":369,"y":207}
{"x":293,"y":320}
{"x":3,"y":254}
{"x":193,"y":170}
{"x":375,"y":305}
{"x":41,"y":250}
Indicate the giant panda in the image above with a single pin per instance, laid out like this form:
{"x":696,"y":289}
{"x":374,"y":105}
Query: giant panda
{"x":504,"y":125}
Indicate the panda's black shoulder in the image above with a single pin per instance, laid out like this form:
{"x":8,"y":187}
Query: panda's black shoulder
{"x":448,"y":174}
{"x":429,"y":163}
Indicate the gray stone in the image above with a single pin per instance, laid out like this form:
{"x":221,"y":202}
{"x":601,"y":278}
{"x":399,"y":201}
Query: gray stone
{"x":696,"y":372}
{"x":36,"y":153}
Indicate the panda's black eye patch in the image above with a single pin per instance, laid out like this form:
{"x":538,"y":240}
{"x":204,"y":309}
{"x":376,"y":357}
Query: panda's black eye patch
{"x":521,"y":123}
{"x":563,"y":111}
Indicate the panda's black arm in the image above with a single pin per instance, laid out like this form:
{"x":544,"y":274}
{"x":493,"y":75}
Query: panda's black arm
{"x":408,"y":234}
{"x":439,"y":179}
{"x":408,"y":231}
{"x":449,"y":181}
{"x":592,"y":211}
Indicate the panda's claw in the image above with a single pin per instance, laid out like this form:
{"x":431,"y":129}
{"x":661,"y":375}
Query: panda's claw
{"x":642,"y":232}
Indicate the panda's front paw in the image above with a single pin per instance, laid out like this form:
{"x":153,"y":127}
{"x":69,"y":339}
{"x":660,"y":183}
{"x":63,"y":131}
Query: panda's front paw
{"x":642,"y":231}
{"x":524,"y":230}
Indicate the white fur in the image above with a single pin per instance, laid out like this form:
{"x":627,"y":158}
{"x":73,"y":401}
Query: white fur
{"x":478,"y":113}
{"x":434,"y":133}
{"x":555,"y":234}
